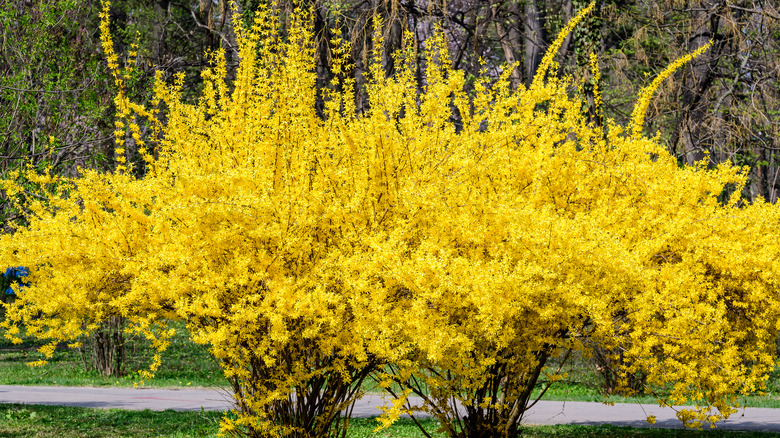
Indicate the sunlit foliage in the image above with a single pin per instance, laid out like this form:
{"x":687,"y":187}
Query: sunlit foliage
{"x":448,"y":244}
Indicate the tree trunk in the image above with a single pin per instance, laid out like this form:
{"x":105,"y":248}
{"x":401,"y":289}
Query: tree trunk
{"x":107,"y":347}
{"x":535,"y":40}
{"x":510,"y":38}
{"x":690,"y":134}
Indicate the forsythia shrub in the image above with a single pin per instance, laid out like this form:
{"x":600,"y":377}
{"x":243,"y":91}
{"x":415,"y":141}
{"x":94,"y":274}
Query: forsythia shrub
{"x":451,"y":261}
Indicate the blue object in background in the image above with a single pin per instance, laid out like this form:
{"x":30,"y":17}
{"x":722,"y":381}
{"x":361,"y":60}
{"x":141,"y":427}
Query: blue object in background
{"x":14,"y":275}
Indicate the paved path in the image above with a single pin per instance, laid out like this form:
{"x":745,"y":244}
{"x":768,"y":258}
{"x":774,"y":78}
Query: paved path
{"x":545,"y":412}
{"x":120,"y":398}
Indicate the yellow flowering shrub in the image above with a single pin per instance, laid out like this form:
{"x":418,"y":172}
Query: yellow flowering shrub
{"x":452,"y":260}
{"x":78,"y":239}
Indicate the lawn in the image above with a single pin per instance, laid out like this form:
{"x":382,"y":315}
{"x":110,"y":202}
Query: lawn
{"x":21,"y":421}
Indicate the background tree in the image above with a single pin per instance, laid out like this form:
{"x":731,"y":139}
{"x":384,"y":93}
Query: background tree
{"x":720,"y":105}
{"x":51,"y":110}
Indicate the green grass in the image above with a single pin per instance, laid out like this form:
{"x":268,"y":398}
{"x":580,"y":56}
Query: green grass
{"x":22,"y":421}
{"x":67,"y":422}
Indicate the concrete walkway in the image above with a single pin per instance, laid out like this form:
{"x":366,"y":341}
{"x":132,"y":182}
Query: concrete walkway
{"x":119,"y":398}
{"x":545,"y":412}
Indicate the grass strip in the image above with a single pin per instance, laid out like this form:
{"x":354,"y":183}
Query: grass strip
{"x":39,"y":421}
